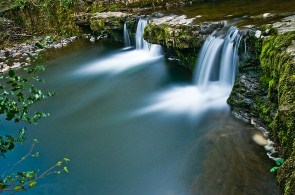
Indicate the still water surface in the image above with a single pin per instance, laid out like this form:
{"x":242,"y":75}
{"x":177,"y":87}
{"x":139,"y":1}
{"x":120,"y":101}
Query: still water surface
{"x":250,"y":11}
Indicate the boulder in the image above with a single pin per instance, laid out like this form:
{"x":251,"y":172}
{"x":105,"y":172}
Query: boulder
{"x":108,"y":21}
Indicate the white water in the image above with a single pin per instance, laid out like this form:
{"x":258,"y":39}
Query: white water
{"x":218,"y":53}
{"x":126,"y":36}
{"x":218,"y":58}
{"x":126,"y":59}
{"x":141,"y":44}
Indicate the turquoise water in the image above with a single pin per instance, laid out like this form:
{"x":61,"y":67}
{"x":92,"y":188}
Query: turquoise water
{"x":116,"y":149}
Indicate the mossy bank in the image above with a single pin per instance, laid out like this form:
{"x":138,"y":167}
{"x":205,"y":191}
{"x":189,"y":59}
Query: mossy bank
{"x":268,"y":93}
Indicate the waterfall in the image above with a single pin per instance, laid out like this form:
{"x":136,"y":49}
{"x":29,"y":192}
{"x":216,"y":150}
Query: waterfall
{"x":126,"y":36}
{"x":218,"y":53}
{"x":142,"y":44}
{"x":127,"y":58}
{"x":214,"y":77}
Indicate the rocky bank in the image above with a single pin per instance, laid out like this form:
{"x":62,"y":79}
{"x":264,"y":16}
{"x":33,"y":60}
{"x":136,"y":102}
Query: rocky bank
{"x":178,"y":35}
{"x":264,"y":91}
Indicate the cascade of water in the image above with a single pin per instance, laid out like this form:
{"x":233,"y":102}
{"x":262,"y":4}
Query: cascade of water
{"x":142,"y":44}
{"x":218,"y":53}
{"x":215,"y":74}
{"x":126,"y":36}
{"x":126,"y":59}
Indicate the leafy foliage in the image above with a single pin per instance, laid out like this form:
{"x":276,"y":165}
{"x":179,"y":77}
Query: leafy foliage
{"x":279,"y":162}
{"x":17,"y":95}
{"x":24,"y":180}
{"x":45,"y":16}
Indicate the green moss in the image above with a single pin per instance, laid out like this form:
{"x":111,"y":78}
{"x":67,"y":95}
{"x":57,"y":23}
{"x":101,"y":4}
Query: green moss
{"x":179,"y":40}
{"x":187,"y":57}
{"x":97,"y":24}
{"x":278,"y":75}
{"x":48,"y":18}
{"x":275,"y":102}
{"x":286,"y":174}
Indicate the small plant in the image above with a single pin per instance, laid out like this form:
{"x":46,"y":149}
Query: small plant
{"x":17,"y":95}
{"x":279,"y":162}
{"x":12,"y":181}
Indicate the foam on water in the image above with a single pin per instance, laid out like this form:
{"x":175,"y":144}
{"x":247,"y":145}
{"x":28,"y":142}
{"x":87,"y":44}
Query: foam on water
{"x":219,"y":53}
{"x":126,"y":58}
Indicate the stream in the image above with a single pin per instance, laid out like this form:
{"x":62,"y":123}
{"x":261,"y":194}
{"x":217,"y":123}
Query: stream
{"x":134,"y":123}
{"x":101,"y":119}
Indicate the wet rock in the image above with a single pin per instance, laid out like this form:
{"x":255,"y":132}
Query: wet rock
{"x":286,"y":25}
{"x":108,"y":21}
{"x":264,"y":93}
{"x":180,"y":37}
{"x":16,"y":65}
{"x":82,"y":19}
{"x":178,"y":31}
{"x":58,"y":46}
{"x":258,"y":34}
{"x":266,"y":15}
{"x":3,"y":67}
{"x":92,"y":39}
{"x":86,"y":36}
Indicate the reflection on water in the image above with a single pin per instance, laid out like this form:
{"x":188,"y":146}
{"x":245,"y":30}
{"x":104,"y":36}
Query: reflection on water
{"x":232,"y":163}
{"x":251,"y":10}
{"x":114,"y":151}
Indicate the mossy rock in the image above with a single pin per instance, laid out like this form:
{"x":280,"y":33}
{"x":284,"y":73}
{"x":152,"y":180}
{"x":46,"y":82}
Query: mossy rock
{"x":275,"y":103}
{"x":278,"y":75}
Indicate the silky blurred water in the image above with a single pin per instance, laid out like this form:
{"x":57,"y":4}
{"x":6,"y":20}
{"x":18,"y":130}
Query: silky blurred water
{"x":139,"y":129}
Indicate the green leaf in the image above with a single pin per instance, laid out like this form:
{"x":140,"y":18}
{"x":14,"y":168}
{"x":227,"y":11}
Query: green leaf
{"x":39,"y":45}
{"x":59,"y":163}
{"x":32,"y":184}
{"x":66,"y":169}
{"x":279,"y":162}
{"x":11,"y":73}
{"x":66,"y":160}
{"x":18,"y":188}
{"x":274,"y":169}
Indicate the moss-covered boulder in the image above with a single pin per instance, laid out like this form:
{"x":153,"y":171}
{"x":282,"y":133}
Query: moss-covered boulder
{"x":107,"y":21}
{"x":247,"y":88}
{"x":180,"y":37}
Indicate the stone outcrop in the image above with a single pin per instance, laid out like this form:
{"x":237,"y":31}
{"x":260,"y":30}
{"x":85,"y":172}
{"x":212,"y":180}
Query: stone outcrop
{"x":286,"y":25}
{"x":180,"y":37}
{"x":108,"y":21}
{"x":24,"y":54}
{"x":179,"y":31}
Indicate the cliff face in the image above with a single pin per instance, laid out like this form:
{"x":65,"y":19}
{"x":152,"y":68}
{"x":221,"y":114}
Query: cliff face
{"x":265,"y":89}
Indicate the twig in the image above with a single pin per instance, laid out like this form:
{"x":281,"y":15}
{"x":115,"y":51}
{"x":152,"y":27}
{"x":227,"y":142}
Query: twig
{"x":21,"y":160}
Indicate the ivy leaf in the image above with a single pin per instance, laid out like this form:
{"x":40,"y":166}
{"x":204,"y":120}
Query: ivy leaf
{"x":274,"y":169}
{"x":18,"y":188}
{"x":59,"y":163}
{"x":32,"y":184}
{"x":11,"y":73}
{"x":66,"y":169}
{"x":279,"y":162}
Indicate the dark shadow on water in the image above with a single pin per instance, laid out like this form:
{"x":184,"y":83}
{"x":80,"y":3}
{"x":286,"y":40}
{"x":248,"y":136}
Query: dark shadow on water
{"x":225,"y":160}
